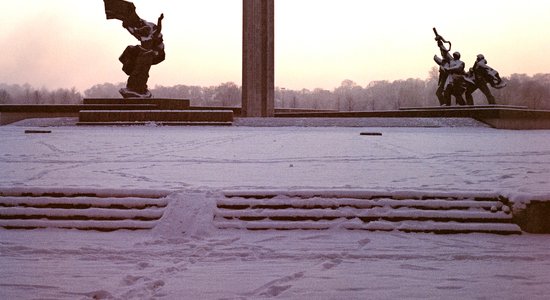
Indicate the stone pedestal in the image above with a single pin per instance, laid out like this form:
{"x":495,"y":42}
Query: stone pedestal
{"x":258,"y":58}
{"x":534,"y":217}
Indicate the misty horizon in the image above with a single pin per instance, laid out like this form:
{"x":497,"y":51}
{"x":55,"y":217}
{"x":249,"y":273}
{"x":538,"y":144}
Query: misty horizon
{"x":521,"y":90}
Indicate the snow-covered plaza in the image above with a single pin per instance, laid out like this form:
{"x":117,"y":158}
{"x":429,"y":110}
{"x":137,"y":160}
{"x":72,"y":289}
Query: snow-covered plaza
{"x":192,"y":260}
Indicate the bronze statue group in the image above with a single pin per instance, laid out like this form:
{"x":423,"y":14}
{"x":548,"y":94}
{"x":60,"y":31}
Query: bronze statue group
{"x":455,"y":82}
{"x":137,"y":61}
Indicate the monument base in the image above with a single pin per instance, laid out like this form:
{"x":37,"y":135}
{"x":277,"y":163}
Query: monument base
{"x":175,"y":112}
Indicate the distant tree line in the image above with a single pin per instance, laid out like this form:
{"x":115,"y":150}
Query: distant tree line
{"x":26,"y":94}
{"x":522,"y":90}
{"x":226,"y":94}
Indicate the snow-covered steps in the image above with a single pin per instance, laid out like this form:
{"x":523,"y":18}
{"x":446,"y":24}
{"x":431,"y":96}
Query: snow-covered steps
{"x":167,"y":112}
{"x":365,"y":210}
{"x":104,"y":210}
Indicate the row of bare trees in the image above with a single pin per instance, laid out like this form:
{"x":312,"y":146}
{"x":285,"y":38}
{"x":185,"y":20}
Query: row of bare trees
{"x":522,"y":90}
{"x":226,"y":94}
{"x":26,"y":94}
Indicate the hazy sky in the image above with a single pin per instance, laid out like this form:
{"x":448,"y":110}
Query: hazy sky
{"x":319,"y":43}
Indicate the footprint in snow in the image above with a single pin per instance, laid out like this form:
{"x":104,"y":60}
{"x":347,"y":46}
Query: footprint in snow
{"x":277,"y":286}
{"x":417,"y":268}
{"x":131,"y":280}
{"x":331,"y":264}
{"x":144,"y":265}
{"x":276,"y":290}
{"x":363,"y":242}
{"x":99,"y":295}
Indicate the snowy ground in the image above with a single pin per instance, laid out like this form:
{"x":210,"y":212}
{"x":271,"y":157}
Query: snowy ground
{"x":184,"y":258}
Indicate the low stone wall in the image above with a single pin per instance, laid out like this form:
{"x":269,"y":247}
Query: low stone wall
{"x":11,"y":113}
{"x":12,"y":117}
{"x":500,"y":117}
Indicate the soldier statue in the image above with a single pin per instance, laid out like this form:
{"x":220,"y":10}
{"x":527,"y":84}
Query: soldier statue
{"x":137,"y":60}
{"x":454,"y":81}
{"x":451,"y":74}
{"x":479,"y":76}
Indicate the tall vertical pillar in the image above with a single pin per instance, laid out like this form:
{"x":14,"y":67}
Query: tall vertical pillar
{"x":258,"y":58}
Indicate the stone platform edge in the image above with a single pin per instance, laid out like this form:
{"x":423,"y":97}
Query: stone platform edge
{"x":499,"y":116}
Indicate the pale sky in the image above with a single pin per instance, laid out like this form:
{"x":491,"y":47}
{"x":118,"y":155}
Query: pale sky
{"x":318,"y":43}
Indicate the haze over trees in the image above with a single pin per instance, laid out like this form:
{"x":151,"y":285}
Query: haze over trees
{"x":524,"y":90}
{"x":26,"y":94}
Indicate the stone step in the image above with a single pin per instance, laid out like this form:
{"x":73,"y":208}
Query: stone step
{"x":82,"y":202}
{"x":81,"y":225}
{"x":407,"y":226}
{"x":29,"y":213}
{"x":182,"y":116}
{"x":275,"y":204}
{"x":365,"y":210}
{"x":362,"y":194}
{"x":366,"y":215}
{"x":160,"y":103}
{"x":90,"y":210}
{"x":118,"y":107}
{"x":71,"y":192}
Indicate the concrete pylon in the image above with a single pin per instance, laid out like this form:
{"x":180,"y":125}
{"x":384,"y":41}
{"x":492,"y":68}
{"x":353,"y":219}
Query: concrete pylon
{"x":258,"y":58}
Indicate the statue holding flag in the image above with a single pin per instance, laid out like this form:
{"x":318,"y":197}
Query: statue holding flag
{"x":454,"y":81}
{"x":451,"y":73}
{"x":137,"y":60}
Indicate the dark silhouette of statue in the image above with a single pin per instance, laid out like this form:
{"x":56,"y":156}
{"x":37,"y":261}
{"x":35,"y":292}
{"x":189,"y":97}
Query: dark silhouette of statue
{"x":137,"y":60}
{"x":454,"y":81}
{"x":451,"y":74}
{"x":442,"y":62}
{"x":479,"y":76}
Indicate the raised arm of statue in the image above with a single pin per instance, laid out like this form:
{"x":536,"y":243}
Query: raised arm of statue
{"x":159,"y":26}
{"x":445,"y":53}
{"x":159,"y":22}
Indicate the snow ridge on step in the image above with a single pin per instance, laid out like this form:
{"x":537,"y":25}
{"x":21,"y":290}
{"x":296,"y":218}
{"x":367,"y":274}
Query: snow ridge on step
{"x":103,"y":210}
{"x":365,"y":210}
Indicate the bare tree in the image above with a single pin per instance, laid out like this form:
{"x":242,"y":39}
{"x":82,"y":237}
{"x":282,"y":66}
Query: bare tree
{"x":229,"y":94}
{"x":5,"y":97}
